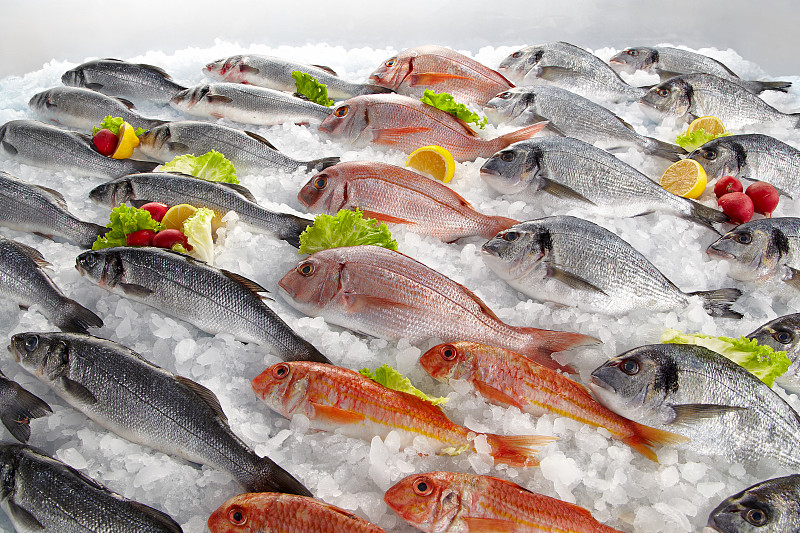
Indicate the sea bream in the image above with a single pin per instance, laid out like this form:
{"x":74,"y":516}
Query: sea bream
{"x":783,"y":334}
{"x":42,"y":494}
{"x":442,"y":70}
{"x":124,"y":393}
{"x":214,"y":300}
{"x":276,"y":73}
{"x":572,"y":115}
{"x":771,"y":506}
{"x":575,"y":262}
{"x":18,"y":407}
{"x":406,"y":124}
{"x":722,"y":408}
{"x":247,"y":104}
{"x":668,"y":62}
{"x":249,"y":152}
{"x":386,"y":294}
{"x":114,"y":77}
{"x":339,"y":399}
{"x":397,"y":195}
{"x":578,"y":173}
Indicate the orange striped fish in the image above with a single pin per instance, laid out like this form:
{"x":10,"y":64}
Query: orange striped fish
{"x":449,"y":502}
{"x":337,"y":398}
{"x":508,"y":378}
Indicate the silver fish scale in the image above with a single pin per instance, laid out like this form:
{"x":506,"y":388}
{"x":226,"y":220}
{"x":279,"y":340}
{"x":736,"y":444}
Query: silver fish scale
{"x":120,"y":78}
{"x":679,"y":61}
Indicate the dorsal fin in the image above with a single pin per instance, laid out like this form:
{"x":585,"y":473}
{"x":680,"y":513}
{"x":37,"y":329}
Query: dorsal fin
{"x":241,"y":189}
{"x":32,"y":253}
{"x":249,"y":283}
{"x":205,"y":394}
{"x":327,"y":69}
{"x":480,"y":303}
{"x":163,"y":518}
{"x":57,"y":196}
{"x":261,"y":139}
{"x":159,"y":70}
{"x":125,"y":102}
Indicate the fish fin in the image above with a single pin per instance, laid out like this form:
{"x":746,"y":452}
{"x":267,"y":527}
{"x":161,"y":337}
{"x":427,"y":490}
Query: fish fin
{"x":495,"y":395}
{"x":336,"y":415}
{"x":205,"y":394}
{"x":781,"y":86}
{"x":433,"y":78}
{"x":793,"y":277}
{"x":241,"y":189}
{"x":562,"y":191}
{"x":132,"y":289}
{"x":395,"y":135}
{"x":143,"y":166}
{"x":262,"y":140}
{"x":249,"y":283}
{"x":490,"y":525}
{"x":156,"y":69}
{"x":705,"y":215}
{"x":58,"y":198}
{"x":498,"y":224}
{"x":269,"y":477}
{"x":44,"y":235}
{"x":521,"y":134}
{"x":32,"y":253}
{"x":665,"y":150}
{"x":572,"y":280}
{"x":23,"y":517}
{"x":355,"y":302}
{"x":8,"y":147}
{"x":693,"y":412}
{"x":320,"y":164}
{"x":123,"y":101}
{"x":77,"y":318}
{"x":550,"y":126}
{"x":517,"y":450}
{"x":174,"y":146}
{"x":25,"y":406}
{"x":554,"y":72}
{"x":218,"y":98}
{"x":327,"y":69}
{"x":550,"y":341}
{"x":170,"y":525}
{"x":94,"y":86}
{"x":78,"y":391}
{"x":385,"y":218}
{"x":645,"y":438}
{"x":718,"y":303}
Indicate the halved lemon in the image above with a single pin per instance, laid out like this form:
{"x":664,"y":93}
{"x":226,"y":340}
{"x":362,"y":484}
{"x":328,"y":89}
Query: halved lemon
{"x":177,"y":215}
{"x":127,"y":142}
{"x":433,"y":160}
{"x":685,"y":178}
{"x":710,"y":124}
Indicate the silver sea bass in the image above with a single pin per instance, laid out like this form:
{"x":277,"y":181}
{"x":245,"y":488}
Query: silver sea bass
{"x":724,"y":409}
{"x":80,"y":108}
{"x":37,"y":209}
{"x":574,"y":262}
{"x":42,"y":145}
{"x":247,"y":104}
{"x":580,"y":173}
{"x":214,"y":300}
{"x":567,"y":66}
{"x":41,"y":494}
{"x":18,"y":407}
{"x":23,"y":281}
{"x":772,"y":506}
{"x":572,"y":115}
{"x":174,"y":189}
{"x":124,"y":393}
{"x":783,"y":334}
{"x":114,"y":77}
{"x":249,"y":152}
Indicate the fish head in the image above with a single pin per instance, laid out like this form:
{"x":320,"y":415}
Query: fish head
{"x":347,"y":121}
{"x":75,"y":77}
{"x":43,"y":103}
{"x":326,"y":191}
{"x":392,"y":72}
{"x":513,"y":169}
{"x":231,"y":69}
{"x":156,"y":141}
{"x":450,"y":361}
{"x":509,"y":104}
{"x":105,"y":267}
{"x":756,"y":250}
{"x":672,"y":97}
{"x":517,"y":65}
{"x":634,"y":58}
{"x":188,"y":98}
{"x":720,"y":158}
{"x":518,"y":251}
{"x":113,"y":192}
{"x":313,"y":283}
{"x":430,"y":502}
{"x":767,"y":507}
{"x":283,"y":386}
{"x":46,"y":355}
{"x":781,"y":334}
{"x":245,"y":513}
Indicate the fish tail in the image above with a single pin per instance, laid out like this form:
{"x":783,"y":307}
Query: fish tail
{"x":521,"y":134}
{"x":707,"y":216}
{"x":24,"y":407}
{"x":780,"y":86}
{"x":664,"y":150}
{"x":270,"y":477}
{"x":517,"y":450}
{"x":496,"y":225}
{"x":644,"y":439}
{"x":143,"y":166}
{"x":75,"y":318}
{"x":718,"y":303}
{"x":549,"y":341}
{"x":293,"y":226}
{"x":320,"y":164}
{"x":91,"y":233}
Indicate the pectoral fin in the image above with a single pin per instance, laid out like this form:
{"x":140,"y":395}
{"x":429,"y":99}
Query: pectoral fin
{"x":78,"y":391}
{"x":23,"y":517}
{"x":491,"y":525}
{"x":433,"y":78}
{"x":9,"y":148}
{"x":562,"y":191}
{"x":793,"y":277}
{"x":355,"y":303}
{"x":694,"y":412}
{"x":385,"y":218}
{"x":395,"y":135}
{"x":554,"y":73}
{"x":572,"y":280}
{"x":132,"y":289}
{"x":329,"y":413}
{"x":495,"y":395}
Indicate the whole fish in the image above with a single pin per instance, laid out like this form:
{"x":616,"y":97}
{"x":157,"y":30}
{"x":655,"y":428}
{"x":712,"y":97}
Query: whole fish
{"x":39,"y":493}
{"x":697,"y":95}
{"x":442,"y":70}
{"x":510,"y":379}
{"x":124,"y":393}
{"x":580,"y":173}
{"x":752,"y":156}
{"x":767,"y":507}
{"x":214,"y":300}
{"x":386,"y":294}
{"x":42,"y":145}
{"x":174,"y":189}
{"x":276,"y":73}
{"x":724,"y":409}
{"x":406,"y":124}
{"x":23,"y":281}
{"x":668,"y":62}
{"x":335,"y":398}
{"x":574,"y":262}
{"x":18,"y":407}
{"x":115,"y":77}
{"x":250,"y":153}
{"x":451,"y":502}
{"x":569,"y":67}
{"x":37,"y":209}
{"x":247,"y":104}
{"x":286,"y":513}
{"x":762,"y":249}
{"x":76,"y":107}
{"x":783,"y":334}
{"x":572,"y":115}
{"x":393,"y":194}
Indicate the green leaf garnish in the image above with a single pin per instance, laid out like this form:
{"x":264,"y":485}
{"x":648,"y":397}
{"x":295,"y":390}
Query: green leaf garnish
{"x":211,"y":166}
{"x":347,"y":228}
{"x":762,"y":361}
{"x":114,"y":124}
{"x":197,"y":229}
{"x":447,"y":103}
{"x":124,"y":220}
{"x":392,"y":379}
{"x":692,"y":141}
{"x":312,"y":89}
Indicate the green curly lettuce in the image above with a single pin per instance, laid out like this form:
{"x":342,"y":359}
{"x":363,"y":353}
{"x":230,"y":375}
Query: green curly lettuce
{"x":125,"y":220}
{"x":197,"y":229}
{"x":211,"y":166}
{"x":347,"y":228}
{"x":692,"y":141}
{"x":312,"y":89}
{"x":447,"y":103}
{"x":114,"y":124}
{"x":392,"y":379}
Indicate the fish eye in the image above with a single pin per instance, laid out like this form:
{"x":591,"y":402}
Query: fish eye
{"x":89,"y":260}
{"x":756,"y":517}
{"x":31,"y":342}
{"x":783,"y":337}
{"x":280,"y":371}
{"x":422,"y":486}
{"x":517,"y":54}
{"x":507,"y":156}
{"x":306,"y":268}
{"x":505,"y":96}
{"x":631,"y":53}
{"x":629,"y":366}
{"x":743,"y":238}
{"x":237,"y":517}
{"x":708,"y":154}
{"x":511,"y":236}
{"x":663,"y":93}
{"x":321,"y":182}
{"x":341,"y":111}
{"x":448,"y":352}
{"x":391,"y":62}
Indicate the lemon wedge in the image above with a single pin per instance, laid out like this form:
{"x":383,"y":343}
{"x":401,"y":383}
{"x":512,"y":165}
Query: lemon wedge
{"x":433,"y":160}
{"x":711,"y":125}
{"x":127,"y":142}
{"x":685,"y":178}
{"x":177,"y":215}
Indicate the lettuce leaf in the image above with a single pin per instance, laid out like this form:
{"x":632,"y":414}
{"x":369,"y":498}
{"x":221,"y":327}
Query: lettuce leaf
{"x":211,"y":166}
{"x":692,"y":141}
{"x":197,"y":229}
{"x":114,"y":124}
{"x":762,"y":361}
{"x":392,"y":379}
{"x":347,"y":228}
{"x":447,"y":103}
{"x":124,"y":220}
{"x":310,"y":88}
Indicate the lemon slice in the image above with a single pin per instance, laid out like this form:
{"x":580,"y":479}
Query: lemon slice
{"x":684,"y":178}
{"x":710,"y":124}
{"x":177,"y":215}
{"x":433,"y":160}
{"x":127,"y":142}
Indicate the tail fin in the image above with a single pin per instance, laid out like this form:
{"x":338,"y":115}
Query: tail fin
{"x":664,"y":150}
{"x":19,"y":407}
{"x":75,"y":318}
{"x":518,"y":450}
{"x":272,"y":478}
{"x":704,"y":215}
{"x":718,"y":303}
{"x":143,"y":166}
{"x":549,"y":341}
{"x":320,"y":164}
{"x":645,"y":439}
{"x":496,"y":225}
{"x":90,"y":233}
{"x":294,"y":226}
{"x":761,"y":86}
{"x":521,"y":134}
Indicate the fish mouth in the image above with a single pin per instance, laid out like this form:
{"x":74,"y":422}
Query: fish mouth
{"x":594,"y":381}
{"x":490,"y":172}
{"x":714,"y":252}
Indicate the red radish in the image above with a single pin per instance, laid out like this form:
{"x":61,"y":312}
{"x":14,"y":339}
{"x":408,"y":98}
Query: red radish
{"x":157,"y":210}
{"x":738,"y":206}
{"x":727,"y":184}
{"x":105,"y":141}
{"x":143,"y":237}
{"x":765,"y":197}
{"x":167,"y":238}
